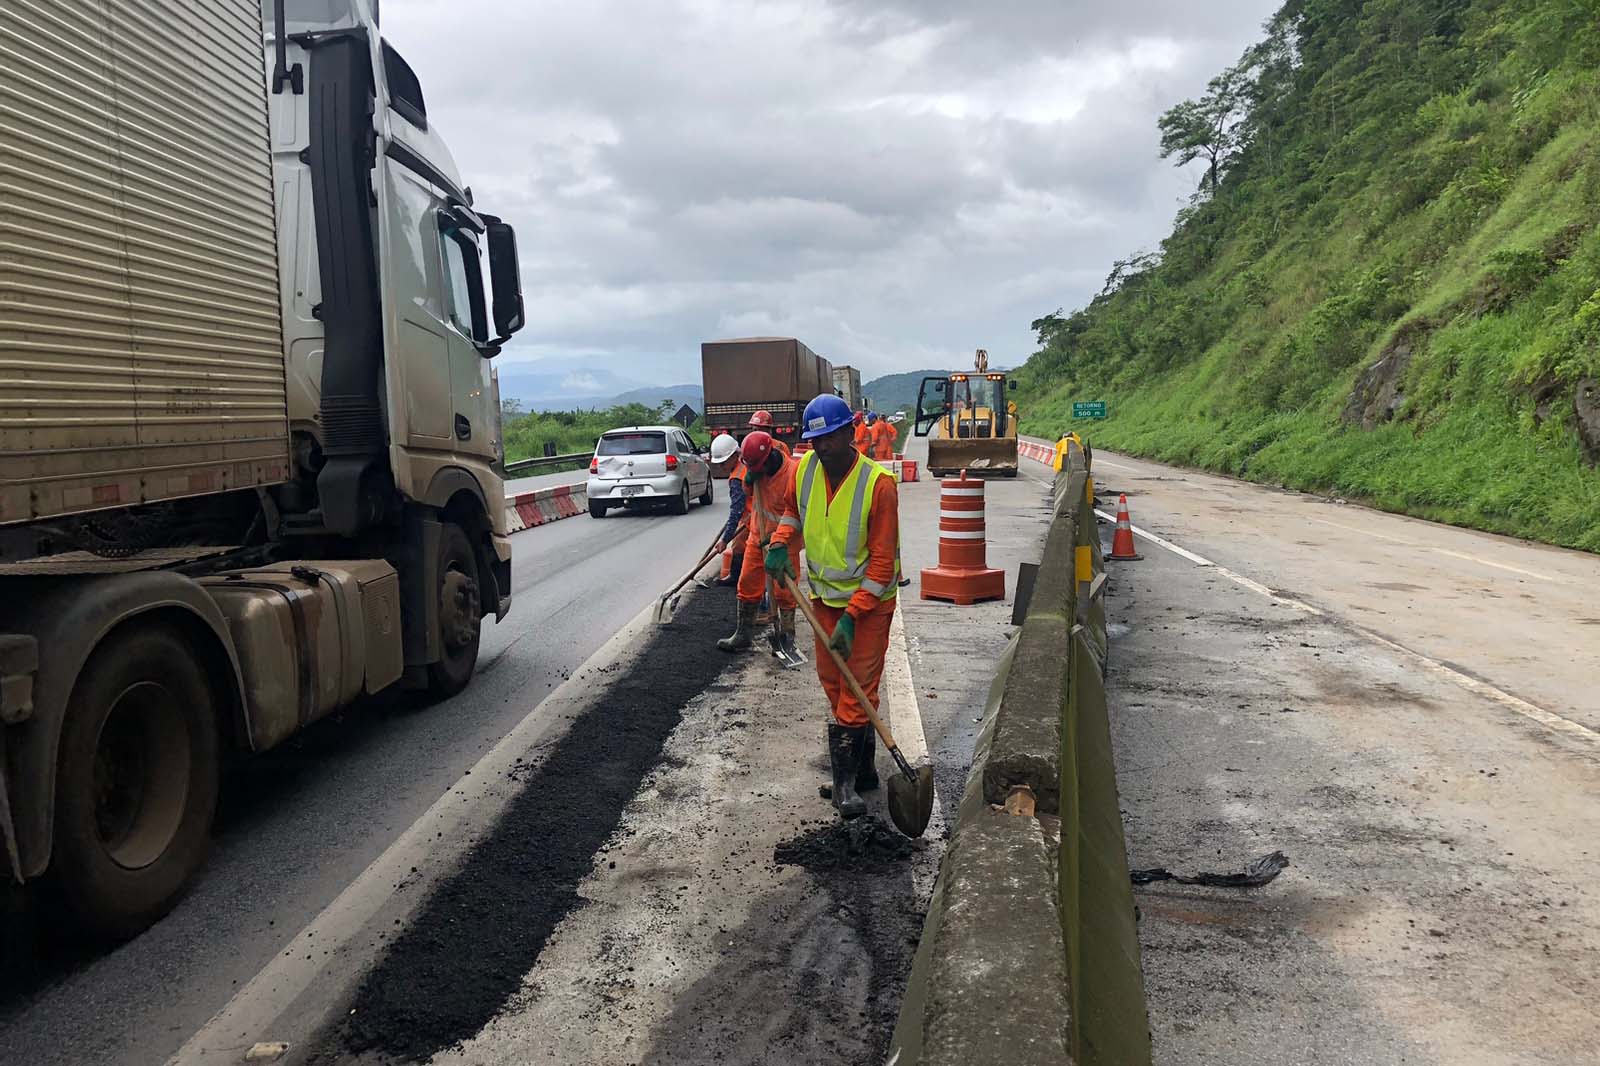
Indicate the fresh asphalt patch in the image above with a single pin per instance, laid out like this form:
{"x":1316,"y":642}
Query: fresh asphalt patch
{"x":463,"y":956}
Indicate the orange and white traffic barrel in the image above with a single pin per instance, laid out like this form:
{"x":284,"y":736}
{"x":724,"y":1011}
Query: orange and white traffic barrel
{"x":963,"y":575}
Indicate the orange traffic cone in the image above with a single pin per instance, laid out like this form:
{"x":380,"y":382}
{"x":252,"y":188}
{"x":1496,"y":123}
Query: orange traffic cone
{"x":1122,"y":549}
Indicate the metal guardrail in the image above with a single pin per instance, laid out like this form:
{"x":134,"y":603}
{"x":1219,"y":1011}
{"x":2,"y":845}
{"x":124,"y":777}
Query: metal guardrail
{"x":524,"y":466}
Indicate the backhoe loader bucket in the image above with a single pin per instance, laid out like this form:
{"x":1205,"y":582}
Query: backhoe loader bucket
{"x":975,"y":455}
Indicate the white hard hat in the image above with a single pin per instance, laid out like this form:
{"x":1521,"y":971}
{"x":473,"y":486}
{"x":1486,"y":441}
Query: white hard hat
{"x":723,"y":447}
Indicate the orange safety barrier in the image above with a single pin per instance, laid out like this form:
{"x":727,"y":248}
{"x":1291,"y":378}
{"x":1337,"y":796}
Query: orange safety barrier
{"x":963,"y":575}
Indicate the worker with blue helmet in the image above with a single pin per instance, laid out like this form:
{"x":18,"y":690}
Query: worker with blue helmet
{"x":846,"y":507}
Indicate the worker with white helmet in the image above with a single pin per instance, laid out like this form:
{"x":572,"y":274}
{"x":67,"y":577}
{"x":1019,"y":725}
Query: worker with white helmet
{"x":725,"y":462}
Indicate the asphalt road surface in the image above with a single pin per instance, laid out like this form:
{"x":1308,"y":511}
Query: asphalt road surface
{"x":300,"y":823}
{"x":1408,"y":711}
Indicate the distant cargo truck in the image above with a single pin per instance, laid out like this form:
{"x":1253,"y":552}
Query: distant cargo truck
{"x":776,"y":374}
{"x":847,"y":383}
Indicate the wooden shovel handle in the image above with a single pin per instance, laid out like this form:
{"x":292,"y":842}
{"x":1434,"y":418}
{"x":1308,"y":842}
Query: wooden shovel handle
{"x":850,"y":679}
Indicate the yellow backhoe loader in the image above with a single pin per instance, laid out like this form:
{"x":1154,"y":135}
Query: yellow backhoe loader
{"x":973,"y":424}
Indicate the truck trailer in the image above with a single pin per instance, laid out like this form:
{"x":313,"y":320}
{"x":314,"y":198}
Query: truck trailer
{"x":775,"y":374}
{"x":847,"y":384}
{"x":250,"y":446}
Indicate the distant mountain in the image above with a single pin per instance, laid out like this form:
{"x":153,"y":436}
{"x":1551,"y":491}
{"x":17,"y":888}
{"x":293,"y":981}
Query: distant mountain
{"x":693,"y":395}
{"x":549,"y":386}
{"x":894,"y":391}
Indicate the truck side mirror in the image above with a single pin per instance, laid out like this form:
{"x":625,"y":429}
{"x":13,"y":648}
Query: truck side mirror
{"x":506,"y":278}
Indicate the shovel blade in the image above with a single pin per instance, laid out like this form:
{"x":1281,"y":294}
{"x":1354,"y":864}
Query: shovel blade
{"x":666,"y":607}
{"x":784,"y":650}
{"x":911,"y":801}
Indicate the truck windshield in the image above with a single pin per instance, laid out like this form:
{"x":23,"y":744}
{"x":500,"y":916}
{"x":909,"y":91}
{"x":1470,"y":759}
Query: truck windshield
{"x":632,"y":444}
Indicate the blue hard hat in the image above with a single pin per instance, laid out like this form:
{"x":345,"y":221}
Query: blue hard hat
{"x":823,"y":415}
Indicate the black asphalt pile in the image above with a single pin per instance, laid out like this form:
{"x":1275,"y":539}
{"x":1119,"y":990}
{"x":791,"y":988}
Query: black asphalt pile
{"x":467,"y":949}
{"x":864,"y":844}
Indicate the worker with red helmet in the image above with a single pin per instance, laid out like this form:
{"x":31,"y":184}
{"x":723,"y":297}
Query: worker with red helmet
{"x":863,"y":433}
{"x":769,"y":483}
{"x":763,"y":420}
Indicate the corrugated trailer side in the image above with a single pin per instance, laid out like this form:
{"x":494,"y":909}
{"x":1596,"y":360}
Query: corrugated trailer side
{"x":141,"y":353}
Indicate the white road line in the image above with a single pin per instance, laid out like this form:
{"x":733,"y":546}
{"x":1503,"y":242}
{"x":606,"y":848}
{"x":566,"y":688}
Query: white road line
{"x":1433,"y":548}
{"x":260,"y":1004}
{"x":1548,"y":719}
{"x":1200,"y":560}
{"x":905,"y":722}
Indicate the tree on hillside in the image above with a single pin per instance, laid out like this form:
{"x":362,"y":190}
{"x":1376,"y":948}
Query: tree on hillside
{"x":1210,"y":128}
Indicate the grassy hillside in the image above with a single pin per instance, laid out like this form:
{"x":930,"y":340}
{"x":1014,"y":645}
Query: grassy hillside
{"x":576,"y":431}
{"x":1388,"y":286}
{"x":894,"y":391}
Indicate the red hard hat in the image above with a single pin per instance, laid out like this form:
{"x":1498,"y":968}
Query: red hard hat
{"x":755,"y":449}
{"x":762,"y":418}
{"x":859,"y":416}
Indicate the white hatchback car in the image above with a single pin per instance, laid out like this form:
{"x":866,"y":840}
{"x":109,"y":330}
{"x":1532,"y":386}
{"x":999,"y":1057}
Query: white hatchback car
{"x":647,"y":464}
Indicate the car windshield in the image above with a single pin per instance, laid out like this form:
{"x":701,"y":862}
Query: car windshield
{"x":632,"y":444}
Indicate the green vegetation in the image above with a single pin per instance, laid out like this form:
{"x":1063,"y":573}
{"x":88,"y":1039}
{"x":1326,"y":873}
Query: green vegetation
{"x":576,"y":431}
{"x":1388,"y":284}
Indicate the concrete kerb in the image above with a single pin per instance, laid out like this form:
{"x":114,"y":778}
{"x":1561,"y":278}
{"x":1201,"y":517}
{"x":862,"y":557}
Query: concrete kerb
{"x":1030,"y":949}
{"x":541,"y":506}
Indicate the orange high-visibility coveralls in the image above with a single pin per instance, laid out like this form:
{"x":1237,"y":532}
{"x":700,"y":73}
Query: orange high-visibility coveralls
{"x":872,"y":614}
{"x":883,"y":438}
{"x":769,"y":500}
{"x":863,"y":437}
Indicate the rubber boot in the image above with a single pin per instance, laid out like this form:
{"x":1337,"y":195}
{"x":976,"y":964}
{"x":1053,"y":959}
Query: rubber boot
{"x":743,"y":630}
{"x":842,"y":760}
{"x":866,"y":760}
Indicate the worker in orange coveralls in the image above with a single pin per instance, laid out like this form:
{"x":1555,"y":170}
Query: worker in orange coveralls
{"x":847,"y":509}
{"x":863,"y":433}
{"x":769,"y":488}
{"x":883,"y":437}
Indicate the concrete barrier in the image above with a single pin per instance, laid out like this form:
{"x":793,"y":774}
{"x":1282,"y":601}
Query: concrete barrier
{"x":536,"y":508}
{"x":1030,"y":951}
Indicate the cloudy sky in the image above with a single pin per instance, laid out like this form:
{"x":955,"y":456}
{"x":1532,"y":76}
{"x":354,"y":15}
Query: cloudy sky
{"x":896,"y":182}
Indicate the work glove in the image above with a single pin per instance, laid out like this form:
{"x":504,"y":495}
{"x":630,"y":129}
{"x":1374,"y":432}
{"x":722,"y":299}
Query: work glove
{"x":844,"y":636}
{"x":777,"y":562}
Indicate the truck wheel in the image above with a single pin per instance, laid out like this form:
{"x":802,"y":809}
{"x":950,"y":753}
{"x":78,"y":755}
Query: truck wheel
{"x":681,"y":504}
{"x":597,"y":509}
{"x":711,"y":491}
{"x":460,"y":613}
{"x":137,"y":781}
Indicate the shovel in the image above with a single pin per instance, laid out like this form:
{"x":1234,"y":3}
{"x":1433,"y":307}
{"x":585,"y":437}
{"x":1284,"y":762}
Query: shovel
{"x":668,"y":603}
{"x":783,"y":646}
{"x":910,"y":791}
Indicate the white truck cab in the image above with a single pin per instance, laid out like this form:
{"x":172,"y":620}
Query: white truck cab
{"x":250,"y":441}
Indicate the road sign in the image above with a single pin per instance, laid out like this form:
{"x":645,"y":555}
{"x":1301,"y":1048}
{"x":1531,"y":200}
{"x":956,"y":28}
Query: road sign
{"x":685,"y":416}
{"x":1088,"y":409}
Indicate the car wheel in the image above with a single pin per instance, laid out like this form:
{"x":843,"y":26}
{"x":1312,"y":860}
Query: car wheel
{"x":460,"y":620}
{"x":137,"y":781}
{"x":681,"y":504}
{"x":710,"y":496}
{"x":597,"y":509}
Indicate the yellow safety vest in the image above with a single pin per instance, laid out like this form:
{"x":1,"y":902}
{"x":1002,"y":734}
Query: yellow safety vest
{"x":836,"y":539}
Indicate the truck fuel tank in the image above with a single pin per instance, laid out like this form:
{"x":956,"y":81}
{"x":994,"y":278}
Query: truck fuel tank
{"x":311,"y":636}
